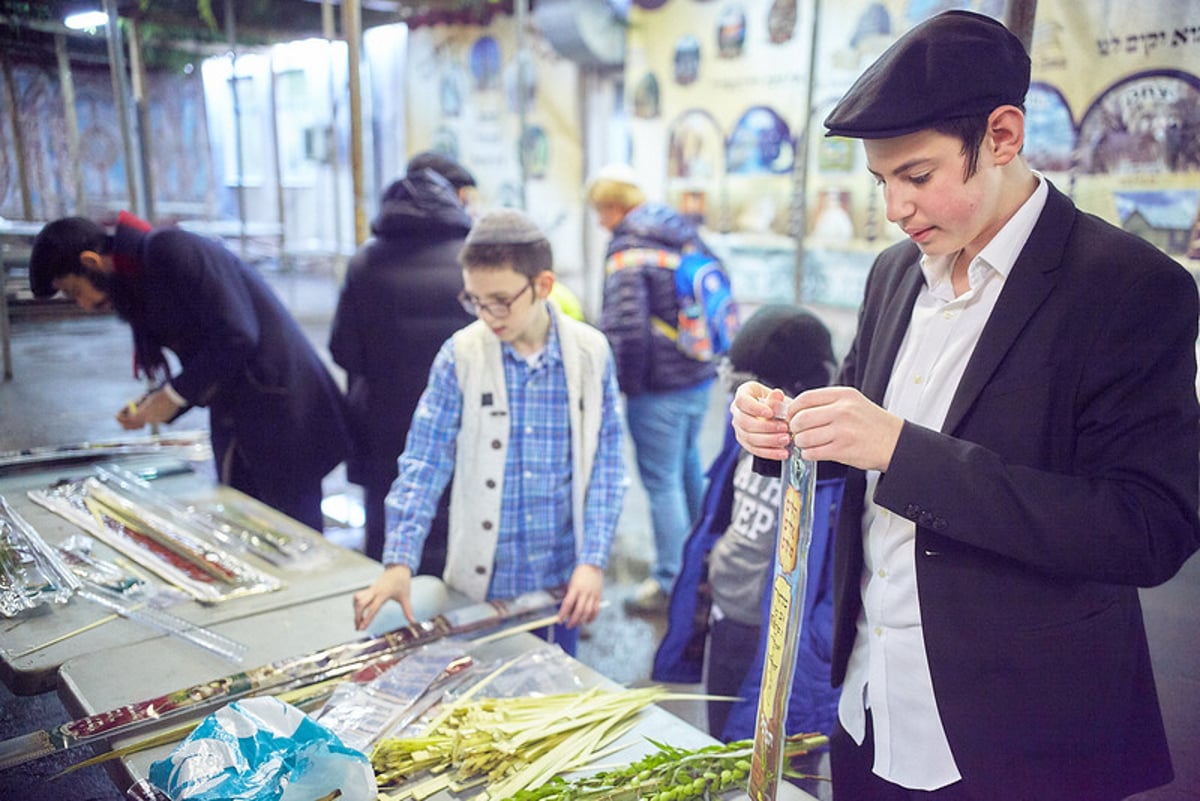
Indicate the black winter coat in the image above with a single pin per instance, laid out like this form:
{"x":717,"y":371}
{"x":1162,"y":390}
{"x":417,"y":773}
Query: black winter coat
{"x":398,"y":305}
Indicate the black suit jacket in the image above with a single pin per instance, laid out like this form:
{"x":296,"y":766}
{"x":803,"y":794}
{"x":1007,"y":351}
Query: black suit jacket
{"x":1064,"y":478}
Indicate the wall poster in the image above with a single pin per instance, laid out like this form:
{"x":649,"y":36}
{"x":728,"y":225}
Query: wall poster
{"x":1114,"y":114}
{"x":717,"y":92}
{"x":469,"y":78}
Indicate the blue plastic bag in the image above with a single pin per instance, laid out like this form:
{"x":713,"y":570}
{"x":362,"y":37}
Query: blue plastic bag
{"x":262,"y":749}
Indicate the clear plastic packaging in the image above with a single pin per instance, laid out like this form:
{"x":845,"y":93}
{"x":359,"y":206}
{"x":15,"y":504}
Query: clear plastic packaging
{"x":136,"y":521}
{"x":361,"y":713}
{"x":31,"y":572}
{"x":234,"y":526}
{"x":78,"y":553}
{"x":167,"y":623}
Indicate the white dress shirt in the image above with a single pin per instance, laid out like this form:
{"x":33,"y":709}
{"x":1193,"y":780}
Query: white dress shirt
{"x":888,"y":669}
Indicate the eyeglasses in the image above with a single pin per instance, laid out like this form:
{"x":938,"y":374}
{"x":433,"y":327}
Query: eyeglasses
{"x":496,"y":308}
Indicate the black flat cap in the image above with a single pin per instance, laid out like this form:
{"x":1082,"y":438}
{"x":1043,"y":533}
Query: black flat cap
{"x":448,"y":168}
{"x":956,"y":64}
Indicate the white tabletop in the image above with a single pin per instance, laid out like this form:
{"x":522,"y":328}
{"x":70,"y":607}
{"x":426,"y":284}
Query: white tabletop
{"x":334,"y":571}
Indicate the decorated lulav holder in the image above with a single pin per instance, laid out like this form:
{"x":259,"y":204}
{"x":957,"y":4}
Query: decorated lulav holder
{"x":783,"y":632}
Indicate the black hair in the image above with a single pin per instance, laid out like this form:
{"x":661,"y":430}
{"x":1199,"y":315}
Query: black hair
{"x":969,"y":131}
{"x":55,"y":254}
{"x":56,"y":251}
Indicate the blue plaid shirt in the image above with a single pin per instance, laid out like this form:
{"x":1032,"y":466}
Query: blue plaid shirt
{"x":536,"y":540}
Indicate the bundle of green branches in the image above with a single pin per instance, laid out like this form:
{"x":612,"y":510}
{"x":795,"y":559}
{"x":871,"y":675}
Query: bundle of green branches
{"x":671,"y":774}
{"x":511,"y":743}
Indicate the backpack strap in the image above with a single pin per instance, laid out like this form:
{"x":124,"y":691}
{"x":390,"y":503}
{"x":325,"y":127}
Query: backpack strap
{"x":641,"y":257}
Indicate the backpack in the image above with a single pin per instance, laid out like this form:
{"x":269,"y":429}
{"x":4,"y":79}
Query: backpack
{"x":707,"y":319}
{"x":708,"y":314}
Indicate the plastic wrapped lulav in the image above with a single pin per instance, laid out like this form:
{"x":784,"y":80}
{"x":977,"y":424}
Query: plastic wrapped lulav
{"x":234,"y":525}
{"x":31,"y":573}
{"x":168,"y":545}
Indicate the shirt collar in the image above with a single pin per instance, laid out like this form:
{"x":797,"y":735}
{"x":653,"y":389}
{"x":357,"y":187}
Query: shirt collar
{"x":1000,"y":254}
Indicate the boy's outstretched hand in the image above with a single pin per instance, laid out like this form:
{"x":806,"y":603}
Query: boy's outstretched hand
{"x":582,"y":601}
{"x":395,"y":584}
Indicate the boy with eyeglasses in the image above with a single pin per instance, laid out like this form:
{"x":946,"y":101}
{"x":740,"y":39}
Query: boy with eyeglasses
{"x":521,"y":408}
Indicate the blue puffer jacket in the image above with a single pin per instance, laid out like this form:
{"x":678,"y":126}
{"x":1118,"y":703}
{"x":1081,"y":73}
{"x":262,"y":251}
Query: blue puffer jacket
{"x":646,"y":359}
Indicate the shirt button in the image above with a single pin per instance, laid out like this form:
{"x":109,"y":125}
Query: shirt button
{"x":879,"y":631}
{"x":497,"y":444}
{"x":480,"y":570}
{"x":528,"y":474}
{"x":882,"y":573}
{"x":920,"y":379}
{"x":528,"y":429}
{"x":487,"y":525}
{"x":490,"y":483}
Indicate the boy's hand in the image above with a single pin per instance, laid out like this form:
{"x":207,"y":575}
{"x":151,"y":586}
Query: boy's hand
{"x":395,"y":584}
{"x":157,"y":407}
{"x":757,"y":422}
{"x":840,"y":424}
{"x":582,"y":601}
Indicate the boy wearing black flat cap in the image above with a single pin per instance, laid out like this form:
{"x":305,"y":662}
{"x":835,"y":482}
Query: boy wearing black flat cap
{"x":1017,"y":422}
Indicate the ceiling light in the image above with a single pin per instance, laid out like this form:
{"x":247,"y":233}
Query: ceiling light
{"x":86,"y":20}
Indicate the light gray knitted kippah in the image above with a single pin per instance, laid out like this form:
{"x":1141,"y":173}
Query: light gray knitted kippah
{"x":504,"y":227}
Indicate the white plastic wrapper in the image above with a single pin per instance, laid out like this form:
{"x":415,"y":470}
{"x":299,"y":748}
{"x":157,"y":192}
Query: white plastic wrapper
{"x":262,"y":749}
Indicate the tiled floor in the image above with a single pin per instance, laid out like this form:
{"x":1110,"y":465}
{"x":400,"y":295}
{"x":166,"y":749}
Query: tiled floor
{"x":71,"y":375}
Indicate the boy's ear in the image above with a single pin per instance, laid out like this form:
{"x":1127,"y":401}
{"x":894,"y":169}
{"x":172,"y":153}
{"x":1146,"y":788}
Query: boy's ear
{"x":94,"y":262}
{"x":1006,"y":133}
{"x":543,"y":282}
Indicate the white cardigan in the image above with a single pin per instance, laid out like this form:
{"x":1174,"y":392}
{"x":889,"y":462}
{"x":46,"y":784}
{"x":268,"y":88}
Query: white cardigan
{"x":484,"y":432}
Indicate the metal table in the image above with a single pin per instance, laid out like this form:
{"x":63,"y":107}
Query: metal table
{"x":123,"y":675}
{"x":336,"y":571}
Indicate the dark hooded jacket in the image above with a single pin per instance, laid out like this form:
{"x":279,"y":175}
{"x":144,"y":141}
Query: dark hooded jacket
{"x":637,"y":294}
{"x":398,"y":305}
